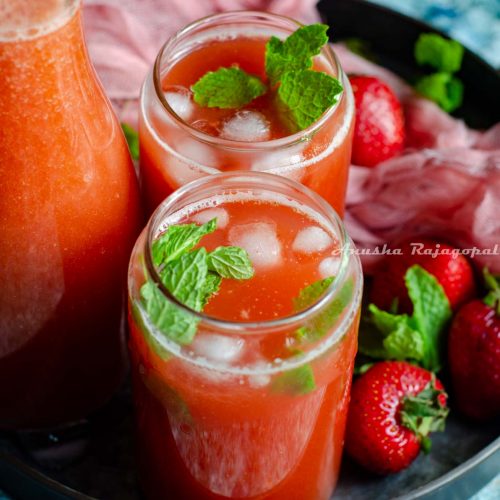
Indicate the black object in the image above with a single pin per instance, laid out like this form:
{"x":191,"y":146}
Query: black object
{"x":463,"y":459}
{"x":392,"y":36}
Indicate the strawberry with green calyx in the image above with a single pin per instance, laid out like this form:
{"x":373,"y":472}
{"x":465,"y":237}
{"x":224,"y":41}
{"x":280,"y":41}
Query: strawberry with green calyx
{"x":474,"y":354}
{"x":419,"y":337}
{"x":394,"y":407}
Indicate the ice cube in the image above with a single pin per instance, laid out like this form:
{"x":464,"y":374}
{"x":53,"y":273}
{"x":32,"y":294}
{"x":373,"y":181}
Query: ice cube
{"x":180,"y":100}
{"x":215,"y":347}
{"x":283,"y":158}
{"x":247,"y":126}
{"x":311,"y":239}
{"x":211,"y":213}
{"x":257,"y":379}
{"x":261,"y":242}
{"x":329,"y":267}
{"x":197,"y":151}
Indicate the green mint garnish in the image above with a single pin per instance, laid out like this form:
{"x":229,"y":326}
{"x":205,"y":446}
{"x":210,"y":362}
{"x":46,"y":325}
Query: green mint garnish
{"x":303,"y":94}
{"x":191,"y":275}
{"x":307,"y":95}
{"x":322,"y":323}
{"x":227,"y":88}
{"x":177,"y":240}
{"x":230,"y":262}
{"x":294,"y":53}
{"x":295,"y":382}
{"x":418,"y":337}
{"x":175,"y":323}
{"x":442,"y":88}
{"x":440,"y":53}
{"x":446,"y":57}
{"x":132,"y":138}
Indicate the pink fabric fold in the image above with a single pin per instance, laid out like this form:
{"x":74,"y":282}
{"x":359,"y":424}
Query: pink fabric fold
{"x":445,"y":185}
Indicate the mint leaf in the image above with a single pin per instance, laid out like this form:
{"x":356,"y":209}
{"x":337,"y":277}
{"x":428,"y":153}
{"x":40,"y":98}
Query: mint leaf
{"x":442,"y":88}
{"x":185,"y":277}
{"x":418,"y":337}
{"x":132,"y":138}
{"x":431,"y":313}
{"x":179,"y":239}
{"x":401,"y":340}
{"x":175,"y":323}
{"x":296,"y":52}
{"x":306,"y":95}
{"x":438,"y":52}
{"x":322,"y":323}
{"x":311,"y":293}
{"x":230,"y":262}
{"x":210,"y":286}
{"x":227,"y":88}
{"x":297,"y":381}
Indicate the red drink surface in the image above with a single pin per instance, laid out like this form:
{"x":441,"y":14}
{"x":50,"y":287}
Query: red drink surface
{"x":68,"y":217}
{"x":214,"y":433}
{"x":320,"y":163}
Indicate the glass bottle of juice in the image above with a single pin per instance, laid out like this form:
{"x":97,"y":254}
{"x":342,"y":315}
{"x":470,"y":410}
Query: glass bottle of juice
{"x":246,"y":397}
{"x":182,"y":141}
{"x":69,"y":215}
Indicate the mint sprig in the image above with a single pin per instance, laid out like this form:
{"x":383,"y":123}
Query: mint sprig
{"x":307,"y":94}
{"x":178,"y":239}
{"x":295,"y":52}
{"x":303,"y":94}
{"x":419,"y":337}
{"x":440,"y":53}
{"x":190,"y":275}
{"x":445,"y":56}
{"x":227,"y":88}
{"x":323,"y":322}
{"x":230,"y":262}
{"x":297,"y":381}
{"x":443,"y":88}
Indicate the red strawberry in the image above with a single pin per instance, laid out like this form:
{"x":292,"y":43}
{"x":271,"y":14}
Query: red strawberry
{"x":384,"y":433}
{"x":379,"y":131}
{"x":453,"y":272}
{"x":474,"y":355}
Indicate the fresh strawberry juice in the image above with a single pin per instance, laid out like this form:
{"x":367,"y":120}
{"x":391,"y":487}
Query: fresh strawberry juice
{"x":250,"y":408}
{"x":182,"y":141}
{"x":69,"y":215}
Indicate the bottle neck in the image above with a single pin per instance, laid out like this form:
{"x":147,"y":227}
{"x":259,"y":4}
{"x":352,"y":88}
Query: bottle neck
{"x":25,"y":20}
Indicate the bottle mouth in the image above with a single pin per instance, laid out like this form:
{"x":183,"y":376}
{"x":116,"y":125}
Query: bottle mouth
{"x":246,"y":182}
{"x":27,"y":19}
{"x":173,"y":50}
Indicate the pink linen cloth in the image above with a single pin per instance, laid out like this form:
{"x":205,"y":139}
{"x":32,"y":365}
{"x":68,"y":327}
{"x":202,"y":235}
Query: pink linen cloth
{"x":445,"y":185}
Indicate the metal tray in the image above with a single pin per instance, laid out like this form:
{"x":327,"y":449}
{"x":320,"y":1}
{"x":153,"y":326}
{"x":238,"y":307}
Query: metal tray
{"x":463,"y":459}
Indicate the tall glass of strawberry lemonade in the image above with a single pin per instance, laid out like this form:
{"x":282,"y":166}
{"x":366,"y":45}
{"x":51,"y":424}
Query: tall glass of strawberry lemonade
{"x":69,"y":214}
{"x":181,"y":141}
{"x":246,"y":395}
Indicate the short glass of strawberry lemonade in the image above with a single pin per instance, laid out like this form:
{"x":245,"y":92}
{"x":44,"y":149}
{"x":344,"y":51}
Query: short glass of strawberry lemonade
{"x":242,"y":340}
{"x":181,"y":141}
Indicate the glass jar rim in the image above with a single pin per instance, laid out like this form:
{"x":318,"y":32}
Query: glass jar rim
{"x":230,"y":144}
{"x":266,"y":180}
{"x":61,"y":15}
